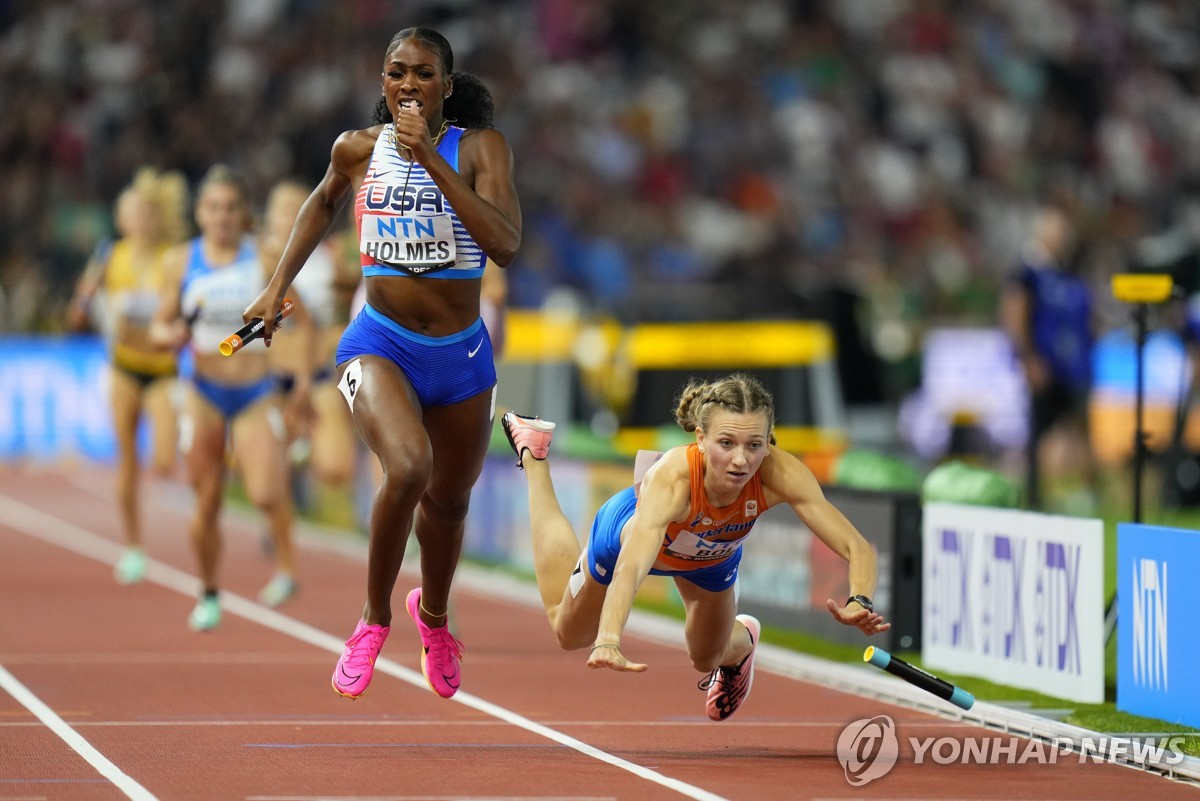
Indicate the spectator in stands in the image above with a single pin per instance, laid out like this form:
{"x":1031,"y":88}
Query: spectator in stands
{"x":637,"y":188}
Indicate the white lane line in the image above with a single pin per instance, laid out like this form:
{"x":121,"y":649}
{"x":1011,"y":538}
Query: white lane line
{"x":408,"y":723}
{"x":431,"y":798}
{"x":107,"y":769}
{"x":52,"y":530}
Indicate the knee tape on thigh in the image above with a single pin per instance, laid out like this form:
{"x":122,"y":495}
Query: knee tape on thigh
{"x":177,"y":393}
{"x":187,"y":433}
{"x":577,"y":577}
{"x":276,"y":424}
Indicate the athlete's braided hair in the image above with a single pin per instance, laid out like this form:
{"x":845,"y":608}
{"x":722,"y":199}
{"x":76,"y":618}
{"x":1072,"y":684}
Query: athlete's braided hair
{"x":739,"y":393}
{"x":469,"y":106}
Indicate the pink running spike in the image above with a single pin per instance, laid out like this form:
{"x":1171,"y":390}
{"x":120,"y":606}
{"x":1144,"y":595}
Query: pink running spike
{"x":728,"y":687}
{"x":441,"y":652}
{"x":356,"y":665}
{"x":528,"y":433}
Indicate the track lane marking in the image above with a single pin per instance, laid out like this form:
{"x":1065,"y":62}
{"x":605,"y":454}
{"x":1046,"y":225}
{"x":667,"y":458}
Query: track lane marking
{"x":125,"y":783}
{"x":52,"y":530}
{"x":698,"y":723}
{"x":431,"y":798}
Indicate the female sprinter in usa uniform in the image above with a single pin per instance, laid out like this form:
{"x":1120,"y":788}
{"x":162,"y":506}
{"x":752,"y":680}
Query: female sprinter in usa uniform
{"x":236,"y":400}
{"x":434,"y":200}
{"x":688,"y":518}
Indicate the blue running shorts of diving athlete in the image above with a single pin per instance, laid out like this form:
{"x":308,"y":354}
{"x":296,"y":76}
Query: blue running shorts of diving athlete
{"x":442,"y":370}
{"x":604,"y":545}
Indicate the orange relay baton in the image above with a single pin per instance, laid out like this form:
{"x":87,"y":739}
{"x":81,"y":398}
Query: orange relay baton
{"x":253,"y":330}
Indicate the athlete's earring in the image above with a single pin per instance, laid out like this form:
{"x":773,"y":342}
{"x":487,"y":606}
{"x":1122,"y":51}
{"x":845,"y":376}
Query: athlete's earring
{"x":448,"y":95}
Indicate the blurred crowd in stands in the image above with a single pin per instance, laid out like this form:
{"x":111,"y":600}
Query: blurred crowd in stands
{"x":874,"y":162}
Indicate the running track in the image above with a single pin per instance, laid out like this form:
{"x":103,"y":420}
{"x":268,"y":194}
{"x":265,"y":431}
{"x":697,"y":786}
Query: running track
{"x":105,"y":694}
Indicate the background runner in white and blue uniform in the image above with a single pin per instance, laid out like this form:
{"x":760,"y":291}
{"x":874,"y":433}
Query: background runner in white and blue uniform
{"x":230,"y":403}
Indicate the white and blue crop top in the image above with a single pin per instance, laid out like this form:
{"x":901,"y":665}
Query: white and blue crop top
{"x":213,"y":297}
{"x":405,"y":225}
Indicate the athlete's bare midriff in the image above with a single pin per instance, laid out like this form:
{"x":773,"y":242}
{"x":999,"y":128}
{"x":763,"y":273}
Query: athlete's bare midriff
{"x":429,"y":306}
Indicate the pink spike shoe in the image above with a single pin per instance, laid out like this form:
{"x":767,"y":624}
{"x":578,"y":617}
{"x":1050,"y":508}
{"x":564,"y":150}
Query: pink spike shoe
{"x":441,"y":652}
{"x":528,"y":433}
{"x":356,"y":665}
{"x":729,"y":686}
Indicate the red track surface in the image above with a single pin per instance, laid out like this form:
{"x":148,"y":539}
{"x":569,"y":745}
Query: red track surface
{"x":246,"y":711}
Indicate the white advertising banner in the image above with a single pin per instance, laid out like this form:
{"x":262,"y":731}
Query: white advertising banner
{"x":1014,"y":597}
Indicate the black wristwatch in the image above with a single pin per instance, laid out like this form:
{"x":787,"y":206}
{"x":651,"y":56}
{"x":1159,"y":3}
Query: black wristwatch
{"x":862,"y":601}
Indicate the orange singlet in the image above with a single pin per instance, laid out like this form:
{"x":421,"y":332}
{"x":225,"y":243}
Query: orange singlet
{"x":713,"y":534}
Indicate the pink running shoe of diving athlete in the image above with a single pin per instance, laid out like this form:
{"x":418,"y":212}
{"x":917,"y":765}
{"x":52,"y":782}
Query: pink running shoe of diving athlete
{"x":528,"y":433}
{"x":729,"y":686}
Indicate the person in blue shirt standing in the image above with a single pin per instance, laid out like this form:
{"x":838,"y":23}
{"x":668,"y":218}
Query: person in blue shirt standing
{"x":1046,"y":309}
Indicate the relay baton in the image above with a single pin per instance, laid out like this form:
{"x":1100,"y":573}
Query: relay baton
{"x":253,"y":330}
{"x":915,"y":676}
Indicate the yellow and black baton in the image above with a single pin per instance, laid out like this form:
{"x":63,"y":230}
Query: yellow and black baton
{"x":253,"y":330}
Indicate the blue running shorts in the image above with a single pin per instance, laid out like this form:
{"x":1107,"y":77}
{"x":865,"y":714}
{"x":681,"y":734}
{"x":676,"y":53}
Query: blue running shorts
{"x":442,"y":370}
{"x":604,"y":545}
{"x":233,"y":399}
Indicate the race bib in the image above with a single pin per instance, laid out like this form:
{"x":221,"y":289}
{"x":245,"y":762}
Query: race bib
{"x":416,"y":243}
{"x":351,"y":382}
{"x":688,"y":546}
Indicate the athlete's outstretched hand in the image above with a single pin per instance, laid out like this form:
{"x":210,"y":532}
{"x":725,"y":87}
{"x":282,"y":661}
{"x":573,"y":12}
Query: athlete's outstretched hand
{"x":610,"y":656}
{"x":868,"y":622}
